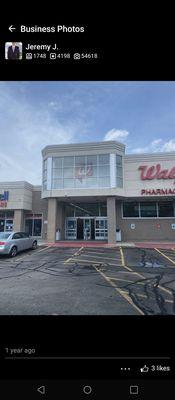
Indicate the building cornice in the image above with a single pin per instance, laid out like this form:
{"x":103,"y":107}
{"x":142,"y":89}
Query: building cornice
{"x":16,"y":185}
{"x":148,"y":157}
{"x":110,"y":146}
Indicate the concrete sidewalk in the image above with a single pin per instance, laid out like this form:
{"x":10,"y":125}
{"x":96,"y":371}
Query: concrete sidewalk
{"x":92,"y":243}
{"x":155,"y":244}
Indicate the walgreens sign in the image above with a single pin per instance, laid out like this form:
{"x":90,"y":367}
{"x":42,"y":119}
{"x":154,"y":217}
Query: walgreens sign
{"x":157,"y":172}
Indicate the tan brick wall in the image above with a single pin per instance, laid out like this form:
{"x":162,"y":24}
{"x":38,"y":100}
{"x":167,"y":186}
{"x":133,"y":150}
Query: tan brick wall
{"x":145,"y":229}
{"x":18,"y":223}
{"x":52,"y":216}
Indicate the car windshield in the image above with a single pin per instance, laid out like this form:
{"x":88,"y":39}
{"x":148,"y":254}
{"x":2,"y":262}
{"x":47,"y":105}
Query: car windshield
{"x":4,"y":235}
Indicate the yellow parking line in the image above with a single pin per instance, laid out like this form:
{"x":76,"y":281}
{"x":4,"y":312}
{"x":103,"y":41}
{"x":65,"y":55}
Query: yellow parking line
{"x":73,"y":255}
{"x":140,"y":275}
{"x":80,"y":260}
{"x":126,"y":280}
{"x":123,"y":260}
{"x":121,"y":292}
{"x":45,"y":248}
{"x":26,"y":254}
{"x":94,"y":251}
{"x":125,"y":295}
{"x":87,"y":251}
{"x":164,"y":255}
{"x":104,"y":258}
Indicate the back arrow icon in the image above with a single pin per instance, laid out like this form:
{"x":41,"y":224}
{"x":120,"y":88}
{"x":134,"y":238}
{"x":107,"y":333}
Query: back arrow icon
{"x":11,"y":28}
{"x":41,"y":389}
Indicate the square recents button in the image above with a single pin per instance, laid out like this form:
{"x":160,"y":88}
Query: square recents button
{"x":134,"y":389}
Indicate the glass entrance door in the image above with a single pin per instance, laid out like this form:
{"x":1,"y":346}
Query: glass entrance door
{"x":101,"y":228}
{"x":87,"y":228}
{"x":71,"y":229}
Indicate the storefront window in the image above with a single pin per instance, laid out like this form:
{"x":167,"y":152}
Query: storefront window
{"x":104,"y":171}
{"x":57,"y":173}
{"x":103,"y":210}
{"x":57,"y":184}
{"x":9,"y":214}
{"x":29,"y":226}
{"x":57,"y":162}
{"x":45,"y":174}
{"x":86,"y":209}
{"x":103,"y":159}
{"x":69,"y":183}
{"x":119,"y":171}
{"x":68,"y":161}
{"x":131,"y":209}
{"x":166,"y":209}
{"x":148,"y":209}
{"x":92,"y":160}
{"x":9,"y":225}
{"x":6,"y":221}
{"x":37,"y":224}
{"x":33,"y":224}
{"x":91,"y":171}
{"x":69,"y":211}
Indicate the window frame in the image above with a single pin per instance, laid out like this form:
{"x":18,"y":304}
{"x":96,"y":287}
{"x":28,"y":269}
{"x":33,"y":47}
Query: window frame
{"x":121,"y":166}
{"x":154,"y":218}
{"x":44,"y":179}
{"x":74,"y":179}
{"x":32,"y":218}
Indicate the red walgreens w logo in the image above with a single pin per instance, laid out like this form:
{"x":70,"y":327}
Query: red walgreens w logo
{"x":155,"y":172}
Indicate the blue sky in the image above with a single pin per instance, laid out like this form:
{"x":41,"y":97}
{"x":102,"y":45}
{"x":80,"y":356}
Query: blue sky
{"x":35,"y":114}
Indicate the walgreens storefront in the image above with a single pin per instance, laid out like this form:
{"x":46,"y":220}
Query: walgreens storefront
{"x":98,"y":188}
{"x":94,"y":191}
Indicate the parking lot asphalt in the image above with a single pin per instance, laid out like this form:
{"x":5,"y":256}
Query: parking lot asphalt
{"x":88,"y":281}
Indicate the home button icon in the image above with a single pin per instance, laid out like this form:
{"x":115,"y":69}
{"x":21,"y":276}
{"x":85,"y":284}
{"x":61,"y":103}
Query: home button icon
{"x":87,"y":389}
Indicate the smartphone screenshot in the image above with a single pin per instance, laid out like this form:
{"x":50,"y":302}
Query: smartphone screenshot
{"x":87,"y":212}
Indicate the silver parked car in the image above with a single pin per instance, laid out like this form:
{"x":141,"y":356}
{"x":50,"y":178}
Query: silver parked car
{"x":13,"y":242}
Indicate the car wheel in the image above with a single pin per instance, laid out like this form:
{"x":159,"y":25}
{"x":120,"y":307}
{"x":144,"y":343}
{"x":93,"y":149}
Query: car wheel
{"x":34,"y":245}
{"x":13,"y":251}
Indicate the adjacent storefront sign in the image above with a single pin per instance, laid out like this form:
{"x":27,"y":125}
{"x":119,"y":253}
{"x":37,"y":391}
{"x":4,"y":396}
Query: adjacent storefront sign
{"x":3,"y":199}
{"x":4,"y":196}
{"x":3,"y":204}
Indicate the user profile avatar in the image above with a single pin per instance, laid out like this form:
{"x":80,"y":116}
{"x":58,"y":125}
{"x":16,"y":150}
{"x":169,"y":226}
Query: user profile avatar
{"x":13,"y":50}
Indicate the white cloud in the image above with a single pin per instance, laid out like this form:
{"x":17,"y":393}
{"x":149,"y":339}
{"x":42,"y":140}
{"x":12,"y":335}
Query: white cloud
{"x":156,"y":146}
{"x":156,"y":142}
{"x":169,"y":146}
{"x":116,"y":134}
